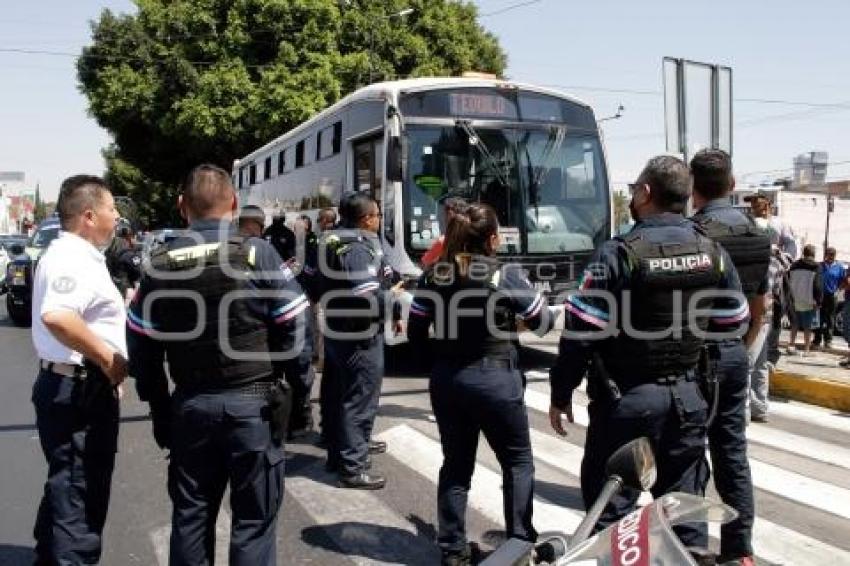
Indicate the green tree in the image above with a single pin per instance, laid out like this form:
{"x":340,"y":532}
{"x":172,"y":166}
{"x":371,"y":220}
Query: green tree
{"x":40,"y":211}
{"x":187,"y":81}
{"x":621,"y":210}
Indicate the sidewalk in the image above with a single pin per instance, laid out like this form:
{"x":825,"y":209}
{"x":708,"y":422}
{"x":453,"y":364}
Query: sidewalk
{"x":816,"y":379}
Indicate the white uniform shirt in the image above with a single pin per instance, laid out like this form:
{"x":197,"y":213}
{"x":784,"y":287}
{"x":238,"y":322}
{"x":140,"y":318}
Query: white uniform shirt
{"x":72,"y":275}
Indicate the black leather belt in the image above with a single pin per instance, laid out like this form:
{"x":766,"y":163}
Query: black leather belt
{"x":67,"y":370}
{"x":255,"y":389}
{"x":491,"y":363}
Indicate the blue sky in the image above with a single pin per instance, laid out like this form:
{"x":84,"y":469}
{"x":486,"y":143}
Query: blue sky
{"x":779,"y":50}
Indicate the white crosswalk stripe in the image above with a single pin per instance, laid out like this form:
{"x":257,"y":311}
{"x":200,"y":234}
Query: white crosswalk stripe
{"x":374,"y":528}
{"x":358,"y":522}
{"x":160,"y":539}
{"x":764,"y":434}
{"x":771,"y":478}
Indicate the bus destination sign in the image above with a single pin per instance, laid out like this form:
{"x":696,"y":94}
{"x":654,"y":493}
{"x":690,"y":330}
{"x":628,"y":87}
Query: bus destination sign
{"x":478,"y":104}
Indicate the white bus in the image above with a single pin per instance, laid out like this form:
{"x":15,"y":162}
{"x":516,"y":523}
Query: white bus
{"x":532,"y":153}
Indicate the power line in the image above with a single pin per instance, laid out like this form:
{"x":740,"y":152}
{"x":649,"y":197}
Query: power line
{"x":509,"y":8}
{"x":842,"y":105}
{"x":786,"y":169}
{"x":818,"y":106}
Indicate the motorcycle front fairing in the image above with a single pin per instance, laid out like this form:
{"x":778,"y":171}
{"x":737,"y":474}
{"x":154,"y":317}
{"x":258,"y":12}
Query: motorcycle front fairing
{"x":645,"y":537}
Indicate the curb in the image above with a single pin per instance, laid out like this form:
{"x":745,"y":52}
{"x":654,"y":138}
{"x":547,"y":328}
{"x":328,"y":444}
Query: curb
{"x":843,"y":352}
{"x":808,"y":389}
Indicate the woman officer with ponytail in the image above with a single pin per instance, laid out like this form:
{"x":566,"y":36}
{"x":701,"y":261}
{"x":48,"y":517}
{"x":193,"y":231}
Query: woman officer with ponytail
{"x":475,"y":305}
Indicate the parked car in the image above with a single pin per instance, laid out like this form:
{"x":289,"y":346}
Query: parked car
{"x":20,"y":268}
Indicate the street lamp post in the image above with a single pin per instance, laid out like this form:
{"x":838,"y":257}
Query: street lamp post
{"x":830,"y":208}
{"x":399,"y":14}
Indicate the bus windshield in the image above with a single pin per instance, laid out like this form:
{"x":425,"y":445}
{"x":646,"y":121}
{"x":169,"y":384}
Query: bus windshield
{"x":548,"y":186}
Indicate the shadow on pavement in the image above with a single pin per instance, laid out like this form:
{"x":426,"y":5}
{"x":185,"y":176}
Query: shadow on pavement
{"x":14,"y":555}
{"x":373,"y":542}
{"x":566,"y":496}
{"x":405,"y":412}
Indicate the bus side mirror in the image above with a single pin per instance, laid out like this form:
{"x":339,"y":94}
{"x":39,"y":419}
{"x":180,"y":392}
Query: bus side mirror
{"x":396,"y":159}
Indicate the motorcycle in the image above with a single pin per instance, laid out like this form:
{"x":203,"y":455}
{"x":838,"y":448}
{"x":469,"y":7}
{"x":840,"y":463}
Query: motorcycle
{"x":641,"y":538}
{"x":17,"y":285}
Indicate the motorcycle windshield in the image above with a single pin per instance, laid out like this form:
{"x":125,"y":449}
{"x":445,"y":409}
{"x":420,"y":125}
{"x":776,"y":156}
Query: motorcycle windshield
{"x":645,"y":537}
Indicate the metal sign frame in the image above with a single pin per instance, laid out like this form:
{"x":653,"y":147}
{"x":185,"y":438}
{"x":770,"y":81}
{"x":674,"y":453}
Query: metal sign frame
{"x":681,"y":104}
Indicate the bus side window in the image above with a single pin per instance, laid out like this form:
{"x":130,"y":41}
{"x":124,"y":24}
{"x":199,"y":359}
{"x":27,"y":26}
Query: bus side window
{"x":368,"y":166}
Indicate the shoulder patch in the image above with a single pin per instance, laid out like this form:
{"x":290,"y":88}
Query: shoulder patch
{"x":288,"y":275}
{"x":64,"y":285}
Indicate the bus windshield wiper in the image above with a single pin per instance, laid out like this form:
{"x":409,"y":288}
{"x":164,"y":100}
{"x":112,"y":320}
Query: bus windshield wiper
{"x":536,"y":178}
{"x":553,"y":144}
{"x":475,"y":139}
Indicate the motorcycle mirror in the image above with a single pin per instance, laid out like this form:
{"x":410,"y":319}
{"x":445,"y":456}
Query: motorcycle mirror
{"x":634,"y":464}
{"x":16,"y":249}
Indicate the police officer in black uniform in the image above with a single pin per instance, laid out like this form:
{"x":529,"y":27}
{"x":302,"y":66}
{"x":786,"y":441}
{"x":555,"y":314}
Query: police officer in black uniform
{"x":749,"y":248}
{"x":281,"y":237}
{"x":622,"y":329}
{"x":301,"y":378}
{"x":476,"y":385}
{"x":355,"y":283}
{"x":225,"y":421}
{"x":125,"y":263}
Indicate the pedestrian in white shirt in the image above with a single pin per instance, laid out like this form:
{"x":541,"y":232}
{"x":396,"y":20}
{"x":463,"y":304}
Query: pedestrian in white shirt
{"x":79,"y":335}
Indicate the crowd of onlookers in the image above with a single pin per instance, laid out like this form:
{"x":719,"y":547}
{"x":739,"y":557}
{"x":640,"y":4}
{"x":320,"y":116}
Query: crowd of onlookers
{"x":802,"y":294}
{"x":809,"y":296}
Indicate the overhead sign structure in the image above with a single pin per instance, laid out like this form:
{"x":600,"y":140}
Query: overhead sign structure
{"x":697,"y":106}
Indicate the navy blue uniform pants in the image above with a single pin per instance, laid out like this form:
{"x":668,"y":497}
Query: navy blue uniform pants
{"x":302,"y":383}
{"x":218,"y":439}
{"x":727,"y":443}
{"x":353,"y":391}
{"x":79,"y":445}
{"x":468,"y":401}
{"x":673,"y":417}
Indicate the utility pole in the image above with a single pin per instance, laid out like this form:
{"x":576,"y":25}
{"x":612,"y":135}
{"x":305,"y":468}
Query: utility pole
{"x":830,"y":208}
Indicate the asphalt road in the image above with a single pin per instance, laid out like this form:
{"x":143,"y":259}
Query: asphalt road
{"x":800,"y":465}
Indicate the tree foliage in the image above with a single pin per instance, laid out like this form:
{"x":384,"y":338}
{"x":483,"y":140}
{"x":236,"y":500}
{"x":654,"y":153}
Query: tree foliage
{"x":188,"y":81}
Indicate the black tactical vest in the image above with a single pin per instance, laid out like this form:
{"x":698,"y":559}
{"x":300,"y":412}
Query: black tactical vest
{"x":335,"y":246}
{"x":665,"y":277}
{"x":202,"y":362}
{"x":747,"y":245}
{"x":471,"y":338}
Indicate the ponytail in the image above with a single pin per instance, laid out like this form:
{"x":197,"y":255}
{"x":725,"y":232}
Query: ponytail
{"x":469,"y":233}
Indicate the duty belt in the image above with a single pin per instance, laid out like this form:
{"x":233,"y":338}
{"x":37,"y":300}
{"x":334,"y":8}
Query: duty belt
{"x":485,"y":363}
{"x":67,"y":370}
{"x":259,"y":389}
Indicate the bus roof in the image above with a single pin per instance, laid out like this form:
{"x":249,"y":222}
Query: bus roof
{"x":390,"y":89}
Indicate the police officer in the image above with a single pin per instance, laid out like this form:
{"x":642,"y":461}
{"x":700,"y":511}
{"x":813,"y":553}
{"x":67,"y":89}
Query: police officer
{"x":475,"y":384}
{"x":125,"y":265}
{"x":301,"y":378}
{"x":354,"y":281}
{"x":633,"y":326}
{"x":281,"y":237}
{"x":227,"y":415}
{"x":749,"y":248}
{"x":78,"y":332}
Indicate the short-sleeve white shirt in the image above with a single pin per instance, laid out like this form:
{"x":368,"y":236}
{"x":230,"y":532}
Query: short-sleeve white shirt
{"x":72,"y":275}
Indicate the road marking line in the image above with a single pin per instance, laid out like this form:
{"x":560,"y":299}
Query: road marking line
{"x":764,"y":434}
{"x":423,"y":454}
{"x":367,"y":531}
{"x":161,"y":537}
{"x":772,"y":542}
